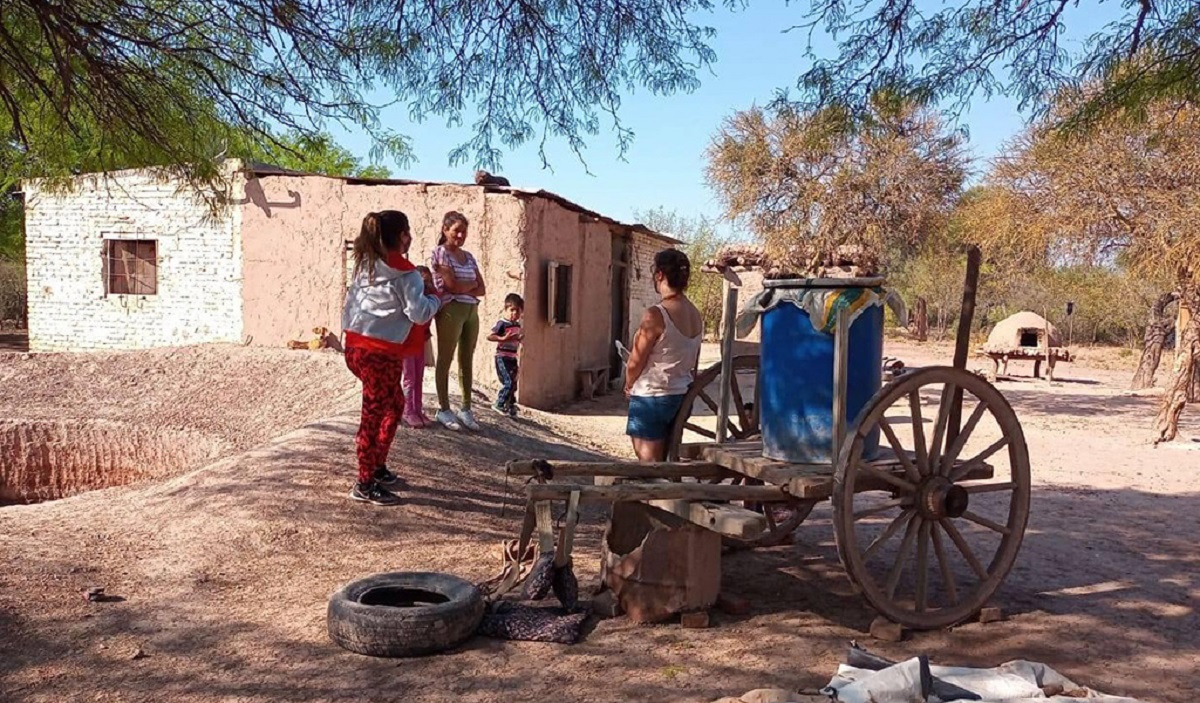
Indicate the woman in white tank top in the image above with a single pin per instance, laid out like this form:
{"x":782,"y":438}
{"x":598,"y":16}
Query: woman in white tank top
{"x":663,"y":360}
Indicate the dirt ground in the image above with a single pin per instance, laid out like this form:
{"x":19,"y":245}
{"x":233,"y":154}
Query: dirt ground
{"x":224,"y":572}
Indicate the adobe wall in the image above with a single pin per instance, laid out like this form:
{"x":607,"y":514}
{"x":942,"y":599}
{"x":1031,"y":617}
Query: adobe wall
{"x":296,"y":228}
{"x":199,"y":265}
{"x":553,"y":354}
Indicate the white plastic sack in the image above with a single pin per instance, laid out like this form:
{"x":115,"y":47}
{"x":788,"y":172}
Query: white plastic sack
{"x":1015,"y":682}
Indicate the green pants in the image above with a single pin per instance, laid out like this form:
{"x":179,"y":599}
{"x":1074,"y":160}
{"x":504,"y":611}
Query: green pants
{"x":457,"y":327}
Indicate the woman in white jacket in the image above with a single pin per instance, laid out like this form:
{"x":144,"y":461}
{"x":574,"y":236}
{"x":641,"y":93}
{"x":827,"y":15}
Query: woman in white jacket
{"x":382,"y":305}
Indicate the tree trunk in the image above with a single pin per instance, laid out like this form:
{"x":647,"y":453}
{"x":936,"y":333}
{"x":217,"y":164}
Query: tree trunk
{"x":1156,"y":335}
{"x":1183,"y":383}
{"x":922,"y":320}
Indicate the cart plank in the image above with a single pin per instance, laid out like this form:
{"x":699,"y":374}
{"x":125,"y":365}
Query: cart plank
{"x":723,"y":518}
{"x":806,"y":481}
{"x":629,"y":492}
{"x":624,"y":469}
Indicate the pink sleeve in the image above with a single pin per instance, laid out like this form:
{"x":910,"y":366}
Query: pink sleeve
{"x":438,"y":258}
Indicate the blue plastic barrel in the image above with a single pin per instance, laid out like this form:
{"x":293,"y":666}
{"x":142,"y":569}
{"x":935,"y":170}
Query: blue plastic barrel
{"x":796,"y":374}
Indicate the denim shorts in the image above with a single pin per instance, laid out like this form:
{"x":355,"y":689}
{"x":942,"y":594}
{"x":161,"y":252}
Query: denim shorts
{"x":651,"y":417}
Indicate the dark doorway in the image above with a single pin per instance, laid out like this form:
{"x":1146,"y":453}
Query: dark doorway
{"x":620,"y":301}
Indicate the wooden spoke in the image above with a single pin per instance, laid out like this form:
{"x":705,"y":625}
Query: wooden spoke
{"x":939,"y":427}
{"x":980,"y":520}
{"x":922,"y":564}
{"x":700,"y":430}
{"x":882,"y":507}
{"x":910,"y":534}
{"x":975,"y":461}
{"x":887,"y":477}
{"x":918,"y":422}
{"x":964,"y":548}
{"x":901,"y":453}
{"x":988,"y":487}
{"x":961,"y":440}
{"x":901,"y":520}
{"x":756,"y":413}
{"x":712,"y":404}
{"x":739,"y":404}
{"x":939,"y":550}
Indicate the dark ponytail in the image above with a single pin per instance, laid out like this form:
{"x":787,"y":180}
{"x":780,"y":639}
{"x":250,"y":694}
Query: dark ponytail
{"x":381,"y":232}
{"x":674,"y":265}
{"x":451,"y":218}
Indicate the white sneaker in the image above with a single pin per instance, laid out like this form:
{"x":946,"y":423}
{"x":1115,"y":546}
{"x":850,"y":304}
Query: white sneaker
{"x":446,"y":419}
{"x":468,"y":420}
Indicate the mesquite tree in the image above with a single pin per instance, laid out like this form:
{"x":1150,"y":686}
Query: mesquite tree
{"x":1127,"y":190}
{"x":98,"y":84}
{"x":946,"y":53}
{"x":1157,"y":329}
{"x":809,"y":183}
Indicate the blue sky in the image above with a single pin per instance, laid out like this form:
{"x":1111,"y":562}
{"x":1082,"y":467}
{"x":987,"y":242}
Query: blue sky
{"x":665,"y":165}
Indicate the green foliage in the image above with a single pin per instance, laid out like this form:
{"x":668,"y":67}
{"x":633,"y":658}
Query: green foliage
{"x":944,"y":54}
{"x":12,"y":229}
{"x":701,"y":242}
{"x":1111,"y":304}
{"x":12,"y":291}
{"x":167,"y":80}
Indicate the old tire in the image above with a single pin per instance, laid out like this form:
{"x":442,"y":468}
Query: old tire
{"x":405,"y":614}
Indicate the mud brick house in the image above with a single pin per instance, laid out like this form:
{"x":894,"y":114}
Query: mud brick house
{"x":130,"y":260}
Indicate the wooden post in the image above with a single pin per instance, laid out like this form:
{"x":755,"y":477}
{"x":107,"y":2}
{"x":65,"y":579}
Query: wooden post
{"x":841,"y":360}
{"x":962,"y":342}
{"x":730,"y":310}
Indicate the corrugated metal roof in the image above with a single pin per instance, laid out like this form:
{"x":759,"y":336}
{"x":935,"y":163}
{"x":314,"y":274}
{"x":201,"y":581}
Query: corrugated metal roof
{"x":261,"y":169}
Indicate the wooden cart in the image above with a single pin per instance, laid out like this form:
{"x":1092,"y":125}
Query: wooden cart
{"x":927,"y":529}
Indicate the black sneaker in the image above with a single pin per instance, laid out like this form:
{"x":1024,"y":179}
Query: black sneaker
{"x":373,"y":493}
{"x":511,"y":410}
{"x":385,"y":477}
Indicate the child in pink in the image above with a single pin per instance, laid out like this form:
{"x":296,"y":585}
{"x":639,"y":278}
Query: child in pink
{"x":414,"y":369}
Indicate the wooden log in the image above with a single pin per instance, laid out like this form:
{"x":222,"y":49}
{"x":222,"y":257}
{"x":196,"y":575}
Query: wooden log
{"x":729,"y":312}
{"x":729,"y":520}
{"x":630,"y":492}
{"x":962,"y":340}
{"x":624,"y":469}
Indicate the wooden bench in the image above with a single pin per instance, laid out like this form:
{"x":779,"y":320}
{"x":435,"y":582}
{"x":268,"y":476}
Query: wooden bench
{"x":593,"y":381}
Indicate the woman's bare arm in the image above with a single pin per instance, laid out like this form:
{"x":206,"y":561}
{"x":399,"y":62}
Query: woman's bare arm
{"x":650,"y":329}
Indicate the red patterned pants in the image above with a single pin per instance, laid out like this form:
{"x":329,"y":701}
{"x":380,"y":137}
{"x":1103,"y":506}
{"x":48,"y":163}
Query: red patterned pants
{"x":382,"y":405}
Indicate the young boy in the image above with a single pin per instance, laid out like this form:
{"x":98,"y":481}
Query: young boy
{"x":507,"y":334}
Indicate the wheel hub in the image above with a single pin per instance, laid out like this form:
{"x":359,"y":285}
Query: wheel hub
{"x":939,"y":498}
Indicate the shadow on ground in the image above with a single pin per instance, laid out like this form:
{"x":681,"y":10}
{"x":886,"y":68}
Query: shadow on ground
{"x":226,"y":573}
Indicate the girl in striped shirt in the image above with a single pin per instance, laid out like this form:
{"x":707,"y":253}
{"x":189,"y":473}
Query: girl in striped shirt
{"x":457,"y":279}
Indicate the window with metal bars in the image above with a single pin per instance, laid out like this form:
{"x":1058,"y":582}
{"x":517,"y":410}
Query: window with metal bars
{"x":130,"y":267}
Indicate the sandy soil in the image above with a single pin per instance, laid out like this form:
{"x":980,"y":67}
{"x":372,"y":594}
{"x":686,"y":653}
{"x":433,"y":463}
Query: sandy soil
{"x":225,"y":571}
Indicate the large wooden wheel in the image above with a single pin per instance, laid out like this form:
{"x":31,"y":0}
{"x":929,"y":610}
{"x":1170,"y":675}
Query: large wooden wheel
{"x":697,"y":422}
{"x":930,"y":538}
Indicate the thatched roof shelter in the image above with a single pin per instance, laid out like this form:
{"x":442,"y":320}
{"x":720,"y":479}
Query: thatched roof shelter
{"x":1024,"y":330}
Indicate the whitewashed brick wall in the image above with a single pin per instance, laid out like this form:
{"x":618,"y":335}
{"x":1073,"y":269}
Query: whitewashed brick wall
{"x":199,"y":266}
{"x":641,"y":283}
